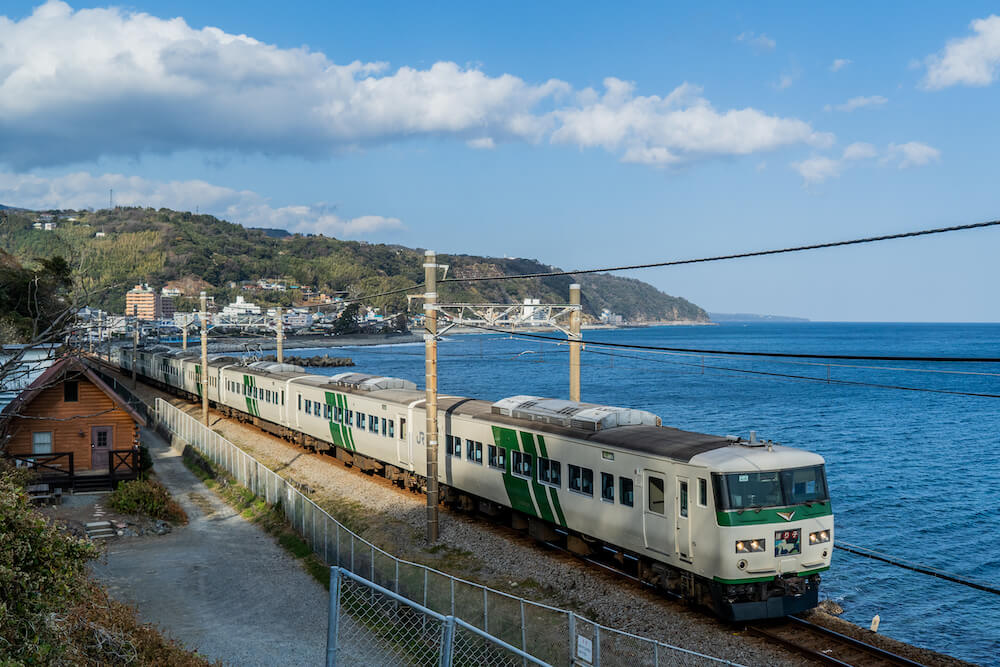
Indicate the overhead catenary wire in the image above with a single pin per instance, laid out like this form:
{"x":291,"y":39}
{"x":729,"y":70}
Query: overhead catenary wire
{"x":783,"y":355}
{"x":824,"y":380}
{"x":742,"y":255}
{"x":699,"y":260}
{"x":916,"y":567}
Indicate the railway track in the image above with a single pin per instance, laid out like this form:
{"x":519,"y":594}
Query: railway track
{"x":824,"y":645}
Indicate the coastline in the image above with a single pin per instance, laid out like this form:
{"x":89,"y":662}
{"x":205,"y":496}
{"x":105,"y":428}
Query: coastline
{"x":241,"y":344}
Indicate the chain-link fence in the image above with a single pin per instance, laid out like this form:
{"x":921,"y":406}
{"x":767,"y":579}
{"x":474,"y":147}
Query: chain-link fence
{"x":371,"y":625}
{"x":552,"y":635}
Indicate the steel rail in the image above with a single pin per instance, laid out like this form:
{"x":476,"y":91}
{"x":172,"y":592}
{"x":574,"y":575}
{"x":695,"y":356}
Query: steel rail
{"x":845,"y":641}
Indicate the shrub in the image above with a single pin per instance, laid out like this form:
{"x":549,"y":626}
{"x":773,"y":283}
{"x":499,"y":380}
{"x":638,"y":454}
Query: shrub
{"x":149,"y":497}
{"x":40,"y":569}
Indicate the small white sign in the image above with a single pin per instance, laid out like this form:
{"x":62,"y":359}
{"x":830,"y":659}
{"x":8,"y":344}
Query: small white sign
{"x":584,"y":649}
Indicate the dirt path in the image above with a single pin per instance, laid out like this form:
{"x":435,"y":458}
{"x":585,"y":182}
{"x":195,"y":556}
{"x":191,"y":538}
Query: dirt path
{"x":219,"y":585}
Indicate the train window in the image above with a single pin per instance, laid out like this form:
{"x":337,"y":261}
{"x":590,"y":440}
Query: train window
{"x":327,"y":411}
{"x":309,"y":407}
{"x":452,"y":445}
{"x":402,"y":428}
{"x":683,"y":508}
{"x":350,"y":417}
{"x":497,"y":457}
{"x":607,"y":487}
{"x":655,"y":495}
{"x":703,"y":492}
{"x":392,"y":428}
{"x":581,"y":480}
{"x":549,"y":472}
{"x":520,"y":464}
{"x":373,"y":424}
{"x":300,"y":401}
{"x":626,"y":492}
{"x":359,"y":420}
{"x":474,"y":451}
{"x":282,"y":396}
{"x":385,"y":426}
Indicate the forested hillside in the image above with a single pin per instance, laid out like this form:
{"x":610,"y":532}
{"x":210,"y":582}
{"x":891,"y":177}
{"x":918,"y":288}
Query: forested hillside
{"x":156,"y":246}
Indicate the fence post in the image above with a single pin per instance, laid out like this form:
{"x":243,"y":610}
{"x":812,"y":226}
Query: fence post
{"x":486,"y":610}
{"x":452,"y":580}
{"x":447,"y":641}
{"x":333,"y":622}
{"x":572,"y":637}
{"x":524,"y":643}
{"x":597,"y":645}
{"x":326,"y":540}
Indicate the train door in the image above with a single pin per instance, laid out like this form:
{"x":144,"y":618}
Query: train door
{"x":682,"y":503}
{"x":657,"y":527}
{"x":403,"y":441}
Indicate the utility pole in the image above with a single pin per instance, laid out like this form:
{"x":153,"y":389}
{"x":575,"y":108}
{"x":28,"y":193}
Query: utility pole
{"x":430,"y":350}
{"x":184,"y":333}
{"x":280,"y":355}
{"x":574,"y":344}
{"x":135,"y":341}
{"x":204,"y":359}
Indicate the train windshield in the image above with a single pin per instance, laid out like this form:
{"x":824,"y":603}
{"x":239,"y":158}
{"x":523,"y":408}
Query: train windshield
{"x":744,"y":490}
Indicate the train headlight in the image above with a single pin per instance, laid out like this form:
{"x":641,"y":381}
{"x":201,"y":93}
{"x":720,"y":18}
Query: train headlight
{"x":749,"y":546}
{"x":819,"y":537}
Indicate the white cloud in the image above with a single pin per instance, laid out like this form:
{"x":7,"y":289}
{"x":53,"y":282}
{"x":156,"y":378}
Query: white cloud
{"x":858,"y":103}
{"x":817,"y":169}
{"x":482,"y":143}
{"x":82,"y":190}
{"x":972,"y":60}
{"x":680,"y":127}
{"x":759,"y":42}
{"x":839,"y":64}
{"x":859,"y":150}
{"x":785,"y":81}
{"x":913,"y":154}
{"x":78,"y":85}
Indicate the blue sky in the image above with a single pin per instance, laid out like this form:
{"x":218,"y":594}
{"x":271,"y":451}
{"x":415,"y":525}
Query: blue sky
{"x":580,"y":135}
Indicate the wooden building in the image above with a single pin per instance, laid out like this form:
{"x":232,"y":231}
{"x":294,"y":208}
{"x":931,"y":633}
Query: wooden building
{"x":67,"y":422}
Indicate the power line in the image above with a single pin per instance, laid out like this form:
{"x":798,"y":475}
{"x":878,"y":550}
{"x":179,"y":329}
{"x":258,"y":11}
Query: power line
{"x":679,"y":262}
{"x":923,"y":569}
{"x":785,"y":355}
{"x":790,"y":376}
{"x":717,"y":258}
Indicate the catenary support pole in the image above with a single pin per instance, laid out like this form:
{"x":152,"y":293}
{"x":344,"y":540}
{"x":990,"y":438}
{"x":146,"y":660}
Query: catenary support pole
{"x":280,"y":329}
{"x":204,"y":359}
{"x":430,"y":360}
{"x":574,"y":345}
{"x":135,"y":342}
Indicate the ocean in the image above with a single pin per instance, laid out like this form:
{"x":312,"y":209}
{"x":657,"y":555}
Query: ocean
{"x":913,"y":474}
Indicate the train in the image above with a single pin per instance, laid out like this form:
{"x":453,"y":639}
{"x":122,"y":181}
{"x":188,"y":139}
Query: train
{"x":742,"y":526}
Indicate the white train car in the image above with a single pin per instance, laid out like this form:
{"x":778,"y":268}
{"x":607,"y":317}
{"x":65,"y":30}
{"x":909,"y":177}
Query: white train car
{"x":744,"y":527}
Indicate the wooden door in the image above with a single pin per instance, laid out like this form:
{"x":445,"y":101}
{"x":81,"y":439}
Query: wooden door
{"x":100,"y":445}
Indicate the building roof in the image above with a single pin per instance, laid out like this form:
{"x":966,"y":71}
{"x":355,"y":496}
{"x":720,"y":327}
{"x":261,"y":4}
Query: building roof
{"x":55,"y":374}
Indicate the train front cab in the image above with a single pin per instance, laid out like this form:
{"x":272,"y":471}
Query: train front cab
{"x":775,"y":538}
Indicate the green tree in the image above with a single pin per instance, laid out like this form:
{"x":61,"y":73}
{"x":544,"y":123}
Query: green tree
{"x":347,"y":321}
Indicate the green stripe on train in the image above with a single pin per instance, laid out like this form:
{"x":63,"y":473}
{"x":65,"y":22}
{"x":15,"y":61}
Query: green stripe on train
{"x":752,"y":517}
{"x":340,"y":433}
{"x":528,"y":441}
{"x":553,"y":493}
{"x":517,"y":488}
